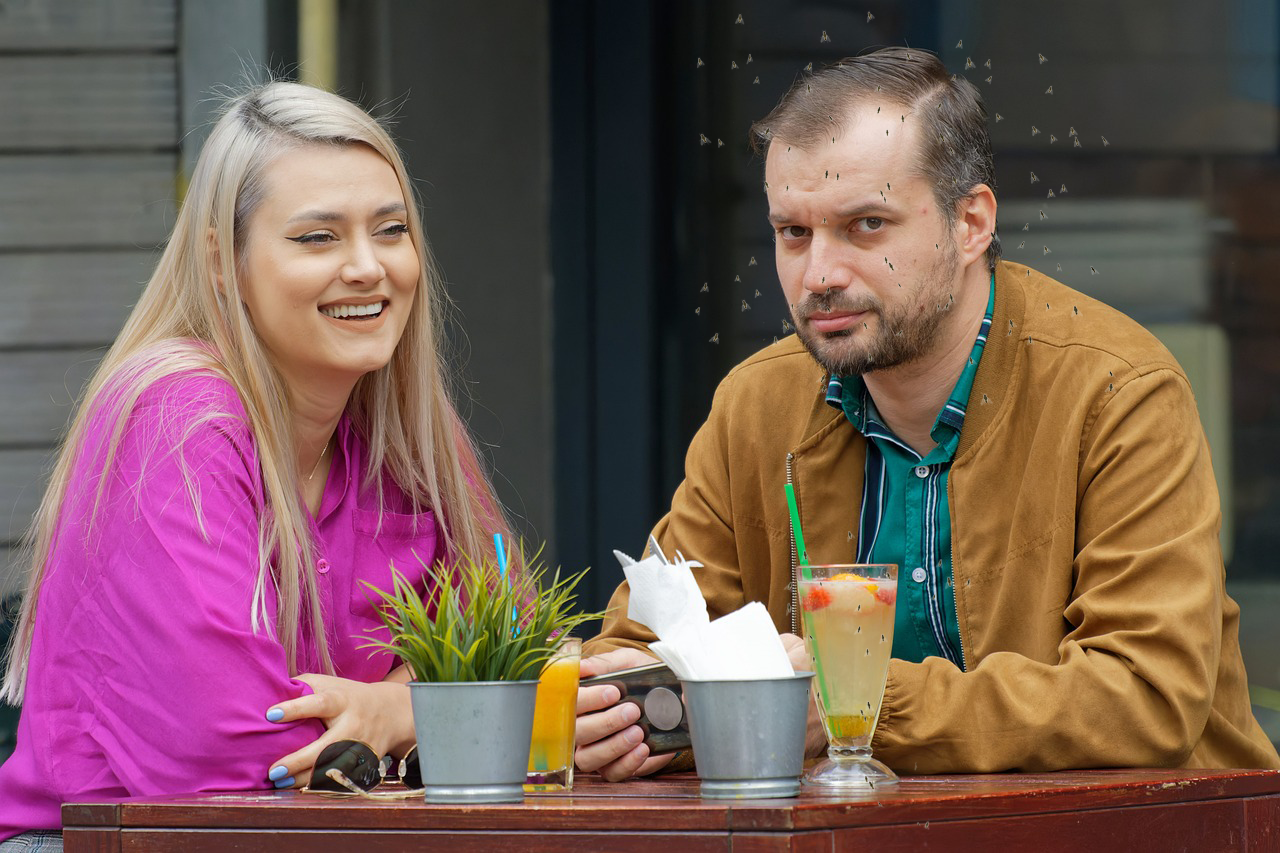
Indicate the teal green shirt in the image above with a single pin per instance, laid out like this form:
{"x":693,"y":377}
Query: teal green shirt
{"x":905,"y":518}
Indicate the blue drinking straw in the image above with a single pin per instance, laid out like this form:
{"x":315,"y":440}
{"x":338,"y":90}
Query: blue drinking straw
{"x":502,"y":555}
{"x":502,"y":574}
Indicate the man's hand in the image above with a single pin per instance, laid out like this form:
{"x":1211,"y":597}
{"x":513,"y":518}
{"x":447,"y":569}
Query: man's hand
{"x":378,"y":714}
{"x":815,"y":738}
{"x":608,"y":741}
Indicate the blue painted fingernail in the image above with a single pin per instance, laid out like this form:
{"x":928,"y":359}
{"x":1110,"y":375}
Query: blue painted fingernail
{"x":275,"y":715}
{"x":278,"y":772}
{"x":285,"y":783}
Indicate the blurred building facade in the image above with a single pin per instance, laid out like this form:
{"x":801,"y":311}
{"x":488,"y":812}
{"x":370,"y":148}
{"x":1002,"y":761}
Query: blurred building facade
{"x":591,"y":199}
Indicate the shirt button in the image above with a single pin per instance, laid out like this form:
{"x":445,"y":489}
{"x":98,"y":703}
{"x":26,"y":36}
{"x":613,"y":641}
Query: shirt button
{"x":918,"y":574}
{"x":323,"y":567}
{"x":922,"y":471}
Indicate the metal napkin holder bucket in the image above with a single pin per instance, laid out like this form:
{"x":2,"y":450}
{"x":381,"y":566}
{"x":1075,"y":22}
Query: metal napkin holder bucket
{"x":749,"y":735}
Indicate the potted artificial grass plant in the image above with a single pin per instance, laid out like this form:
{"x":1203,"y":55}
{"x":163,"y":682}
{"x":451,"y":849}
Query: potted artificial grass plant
{"x":476,"y":646}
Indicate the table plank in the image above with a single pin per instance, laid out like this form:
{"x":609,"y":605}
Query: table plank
{"x":1204,"y":827}
{"x":338,"y":841}
{"x":1262,"y":824}
{"x":955,"y":797}
{"x":802,"y":842}
{"x":1207,"y":810}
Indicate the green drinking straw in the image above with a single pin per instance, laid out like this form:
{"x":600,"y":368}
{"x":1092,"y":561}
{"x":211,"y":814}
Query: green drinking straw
{"x":801,"y":552}
{"x":803,"y":556}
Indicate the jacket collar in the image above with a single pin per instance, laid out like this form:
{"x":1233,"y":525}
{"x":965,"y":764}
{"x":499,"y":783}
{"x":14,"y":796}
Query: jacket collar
{"x":1001,"y":354}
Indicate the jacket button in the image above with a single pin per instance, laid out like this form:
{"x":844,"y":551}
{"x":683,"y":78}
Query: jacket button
{"x":918,"y":574}
{"x":323,"y":567}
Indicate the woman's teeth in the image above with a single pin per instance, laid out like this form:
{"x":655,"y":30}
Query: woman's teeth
{"x":339,"y":312}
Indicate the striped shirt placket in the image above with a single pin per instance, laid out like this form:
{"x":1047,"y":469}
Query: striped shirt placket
{"x":873,"y":510}
{"x":873,"y":498}
{"x":933,"y":587}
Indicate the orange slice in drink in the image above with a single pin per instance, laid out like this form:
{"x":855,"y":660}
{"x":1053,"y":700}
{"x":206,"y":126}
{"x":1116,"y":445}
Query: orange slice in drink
{"x":852,"y":576}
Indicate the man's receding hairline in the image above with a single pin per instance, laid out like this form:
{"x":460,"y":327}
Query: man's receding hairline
{"x":812,"y":146}
{"x":845,"y":120}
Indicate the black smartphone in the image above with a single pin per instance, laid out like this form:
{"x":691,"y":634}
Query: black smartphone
{"x":655,"y":688}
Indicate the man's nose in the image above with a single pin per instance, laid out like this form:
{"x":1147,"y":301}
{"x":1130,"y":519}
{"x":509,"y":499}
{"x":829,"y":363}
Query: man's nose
{"x":362,"y":266}
{"x":828,"y":267}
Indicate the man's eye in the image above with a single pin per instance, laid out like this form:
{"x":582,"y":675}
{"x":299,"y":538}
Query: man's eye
{"x":317,"y":239}
{"x":871,"y":223}
{"x":793,"y":232}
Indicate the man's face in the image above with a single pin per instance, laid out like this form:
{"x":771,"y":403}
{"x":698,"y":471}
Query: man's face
{"x":865,"y":257}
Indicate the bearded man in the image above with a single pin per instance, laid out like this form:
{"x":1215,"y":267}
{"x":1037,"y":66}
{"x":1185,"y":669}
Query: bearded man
{"x":1030,"y":458}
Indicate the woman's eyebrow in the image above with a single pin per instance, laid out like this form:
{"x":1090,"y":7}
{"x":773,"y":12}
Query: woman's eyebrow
{"x":334,"y":216}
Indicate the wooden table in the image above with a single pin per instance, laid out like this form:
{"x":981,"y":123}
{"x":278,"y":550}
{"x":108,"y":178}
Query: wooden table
{"x":1071,"y":811}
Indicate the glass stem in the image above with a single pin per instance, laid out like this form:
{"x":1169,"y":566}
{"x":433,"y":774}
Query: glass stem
{"x":849,"y":753}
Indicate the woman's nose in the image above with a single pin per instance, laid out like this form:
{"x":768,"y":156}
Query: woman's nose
{"x":362,"y":265}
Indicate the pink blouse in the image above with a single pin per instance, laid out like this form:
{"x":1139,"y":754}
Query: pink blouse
{"x":146,"y":676}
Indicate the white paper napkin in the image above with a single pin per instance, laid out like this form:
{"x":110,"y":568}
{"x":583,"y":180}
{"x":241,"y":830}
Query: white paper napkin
{"x":666,"y":598}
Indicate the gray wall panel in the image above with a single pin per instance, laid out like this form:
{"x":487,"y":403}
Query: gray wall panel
{"x":21,"y":488}
{"x":51,"y":201}
{"x":77,"y":298}
{"x":11,"y":575}
{"x":51,"y":382}
{"x":96,"y":101}
{"x":70,"y":24}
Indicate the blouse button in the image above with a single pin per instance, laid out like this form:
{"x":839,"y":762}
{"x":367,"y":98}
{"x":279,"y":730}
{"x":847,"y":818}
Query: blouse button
{"x":323,"y":567}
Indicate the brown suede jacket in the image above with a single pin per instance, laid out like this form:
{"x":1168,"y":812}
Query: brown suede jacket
{"x":1089,"y":583}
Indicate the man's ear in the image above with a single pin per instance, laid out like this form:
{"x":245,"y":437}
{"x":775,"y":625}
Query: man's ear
{"x":213,"y":256}
{"x":975,"y":224}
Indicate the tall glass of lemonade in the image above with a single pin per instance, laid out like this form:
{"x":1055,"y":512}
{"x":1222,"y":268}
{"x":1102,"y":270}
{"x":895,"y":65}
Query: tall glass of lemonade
{"x":848,"y":624}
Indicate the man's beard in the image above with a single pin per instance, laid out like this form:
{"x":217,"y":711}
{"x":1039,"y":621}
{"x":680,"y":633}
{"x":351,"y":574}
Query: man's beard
{"x":902,"y":335}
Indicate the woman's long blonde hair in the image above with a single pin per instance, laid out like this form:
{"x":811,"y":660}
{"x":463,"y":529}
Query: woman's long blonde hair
{"x":183,"y":323}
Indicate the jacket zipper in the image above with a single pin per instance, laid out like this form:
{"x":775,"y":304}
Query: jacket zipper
{"x":794,"y":586}
{"x":955,"y":599}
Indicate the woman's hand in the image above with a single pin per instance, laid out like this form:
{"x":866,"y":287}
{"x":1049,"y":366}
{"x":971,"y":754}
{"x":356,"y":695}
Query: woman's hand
{"x":815,"y":737}
{"x":607,"y":740}
{"x":378,"y":714}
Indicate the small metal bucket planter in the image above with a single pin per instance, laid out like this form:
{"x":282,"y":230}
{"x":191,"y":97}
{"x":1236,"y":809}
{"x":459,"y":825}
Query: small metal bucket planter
{"x":473,"y":739}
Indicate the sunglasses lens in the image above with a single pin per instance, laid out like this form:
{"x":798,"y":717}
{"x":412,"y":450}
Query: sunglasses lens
{"x":353,"y":759}
{"x":410,"y":770}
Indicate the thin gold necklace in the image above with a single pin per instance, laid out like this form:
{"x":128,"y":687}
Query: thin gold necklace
{"x":321,"y":459}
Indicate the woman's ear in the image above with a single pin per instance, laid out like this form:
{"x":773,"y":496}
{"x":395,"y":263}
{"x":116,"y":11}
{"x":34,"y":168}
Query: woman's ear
{"x":976,"y":224}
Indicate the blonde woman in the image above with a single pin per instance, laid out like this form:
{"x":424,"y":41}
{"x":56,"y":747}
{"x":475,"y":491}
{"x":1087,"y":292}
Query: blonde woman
{"x":272,"y":427}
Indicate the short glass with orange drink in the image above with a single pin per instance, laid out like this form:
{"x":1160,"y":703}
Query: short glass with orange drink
{"x":551,"y":750}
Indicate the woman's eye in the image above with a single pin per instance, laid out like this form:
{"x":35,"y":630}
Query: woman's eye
{"x":316,"y":239}
{"x":395,"y":230}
